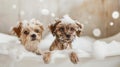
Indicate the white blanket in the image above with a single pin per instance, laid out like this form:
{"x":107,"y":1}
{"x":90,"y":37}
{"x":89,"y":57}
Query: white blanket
{"x":84,"y":46}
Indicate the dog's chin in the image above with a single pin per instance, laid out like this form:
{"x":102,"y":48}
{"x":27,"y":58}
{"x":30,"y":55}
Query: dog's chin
{"x":33,"y":39}
{"x":67,"y":40}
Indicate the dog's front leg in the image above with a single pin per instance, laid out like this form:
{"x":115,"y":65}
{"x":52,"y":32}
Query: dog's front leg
{"x":46,"y":57}
{"x":74,"y":58}
{"x":53,"y":46}
{"x":38,"y":51}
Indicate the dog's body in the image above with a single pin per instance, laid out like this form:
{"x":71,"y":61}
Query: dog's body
{"x":30,"y":34}
{"x":65,"y":33}
{"x":57,"y":45}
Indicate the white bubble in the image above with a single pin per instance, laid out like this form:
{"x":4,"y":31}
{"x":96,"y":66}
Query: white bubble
{"x":111,"y":23}
{"x":52,"y":14}
{"x":115,"y":15}
{"x":45,"y":12}
{"x":14,"y":6}
{"x":22,"y":12}
{"x":96,"y":32}
{"x":41,"y":0}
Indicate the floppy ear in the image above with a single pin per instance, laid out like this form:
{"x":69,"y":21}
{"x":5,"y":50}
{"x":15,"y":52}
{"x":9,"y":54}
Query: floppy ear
{"x":79,"y":29}
{"x":52,"y":27}
{"x":17,"y":30}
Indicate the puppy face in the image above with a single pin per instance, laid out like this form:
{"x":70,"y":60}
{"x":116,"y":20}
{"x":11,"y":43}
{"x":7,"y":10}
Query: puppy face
{"x":66,"y":31}
{"x":30,"y":32}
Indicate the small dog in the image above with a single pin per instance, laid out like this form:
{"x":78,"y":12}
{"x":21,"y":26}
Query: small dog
{"x":30,"y":34}
{"x":65,"y":30}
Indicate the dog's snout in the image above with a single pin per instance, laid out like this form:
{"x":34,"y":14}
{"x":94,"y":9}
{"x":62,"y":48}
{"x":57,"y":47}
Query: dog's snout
{"x":68,"y":36}
{"x":33,"y":35}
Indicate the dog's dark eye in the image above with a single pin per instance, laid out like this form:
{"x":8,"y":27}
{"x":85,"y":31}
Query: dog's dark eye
{"x":72,"y":29}
{"x":26,"y":32}
{"x":37,"y":31}
{"x":61,"y":29}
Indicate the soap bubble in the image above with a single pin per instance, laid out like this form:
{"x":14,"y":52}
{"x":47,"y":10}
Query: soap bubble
{"x":96,"y":32}
{"x":115,"y":15}
{"x":14,"y":6}
{"x":44,"y":11}
{"x":111,"y":23}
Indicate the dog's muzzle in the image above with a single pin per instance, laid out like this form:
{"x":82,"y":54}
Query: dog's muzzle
{"x":33,"y":36}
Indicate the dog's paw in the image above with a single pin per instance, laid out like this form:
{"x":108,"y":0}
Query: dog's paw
{"x":46,"y":57}
{"x":38,"y":52}
{"x":74,"y":58}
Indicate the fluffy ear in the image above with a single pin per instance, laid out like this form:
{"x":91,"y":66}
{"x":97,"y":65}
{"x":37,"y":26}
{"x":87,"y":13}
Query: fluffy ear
{"x":52,"y":27}
{"x":79,"y":29}
{"x":17,"y":30}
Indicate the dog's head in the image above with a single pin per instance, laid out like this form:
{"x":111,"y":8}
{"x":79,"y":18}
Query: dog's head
{"x":65,"y":31}
{"x":28,"y":31}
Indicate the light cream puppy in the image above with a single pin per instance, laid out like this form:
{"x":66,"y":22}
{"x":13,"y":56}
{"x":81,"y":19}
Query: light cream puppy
{"x":30,"y":34}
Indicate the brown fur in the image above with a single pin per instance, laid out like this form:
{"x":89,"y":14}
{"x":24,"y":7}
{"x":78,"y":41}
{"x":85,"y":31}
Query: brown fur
{"x":61,"y":31}
{"x":60,"y":45}
{"x":65,"y":33}
{"x":17,"y":29}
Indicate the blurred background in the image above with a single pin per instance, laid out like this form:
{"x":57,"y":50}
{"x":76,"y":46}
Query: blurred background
{"x":99,"y":17}
{"x":101,"y":20}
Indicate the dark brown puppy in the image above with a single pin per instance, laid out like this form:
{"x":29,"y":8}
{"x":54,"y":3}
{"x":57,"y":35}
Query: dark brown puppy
{"x":65,"y":32}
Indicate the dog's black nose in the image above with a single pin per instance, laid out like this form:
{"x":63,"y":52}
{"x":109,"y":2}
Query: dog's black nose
{"x":33,"y":36}
{"x":68,"y":36}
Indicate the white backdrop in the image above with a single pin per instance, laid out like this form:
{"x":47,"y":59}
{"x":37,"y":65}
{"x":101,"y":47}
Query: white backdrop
{"x":96,"y":15}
